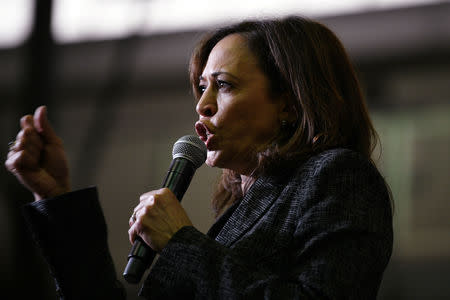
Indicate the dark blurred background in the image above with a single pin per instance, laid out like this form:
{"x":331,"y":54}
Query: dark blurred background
{"x":114,"y":77}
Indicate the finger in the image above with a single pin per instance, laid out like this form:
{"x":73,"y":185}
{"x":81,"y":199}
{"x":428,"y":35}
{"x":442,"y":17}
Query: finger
{"x":132,"y":219}
{"x":31,"y":149}
{"x":147,"y":195}
{"x":137,"y":231}
{"x":29,"y":139}
{"x":27,"y":121}
{"x":43,"y":126}
{"x":27,"y":142}
{"x":19,"y":161}
{"x":144,"y":208}
{"x":133,"y":232}
{"x":10,"y":153}
{"x":156,"y":195}
{"x":145,"y":199}
{"x":138,"y":207}
{"x":140,"y":212}
{"x":134,"y":215}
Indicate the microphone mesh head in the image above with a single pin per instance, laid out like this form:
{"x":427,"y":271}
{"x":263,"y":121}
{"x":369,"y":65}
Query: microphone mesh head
{"x":191,"y":148}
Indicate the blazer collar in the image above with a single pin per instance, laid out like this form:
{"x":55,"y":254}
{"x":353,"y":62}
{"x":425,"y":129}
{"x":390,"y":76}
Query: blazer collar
{"x":252,"y":207}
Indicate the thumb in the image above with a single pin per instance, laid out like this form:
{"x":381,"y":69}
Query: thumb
{"x":43,"y":126}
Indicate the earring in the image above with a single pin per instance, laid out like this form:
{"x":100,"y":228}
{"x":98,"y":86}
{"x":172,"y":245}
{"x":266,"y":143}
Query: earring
{"x":284,"y":124}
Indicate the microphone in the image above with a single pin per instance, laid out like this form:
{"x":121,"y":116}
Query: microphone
{"x":189,"y":153}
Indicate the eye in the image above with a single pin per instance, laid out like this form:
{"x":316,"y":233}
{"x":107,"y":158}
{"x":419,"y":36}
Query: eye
{"x":224,"y":85}
{"x":201,"y":89}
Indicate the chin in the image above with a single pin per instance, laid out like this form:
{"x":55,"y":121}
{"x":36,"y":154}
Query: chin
{"x":209,"y":164}
{"x":213,"y":159}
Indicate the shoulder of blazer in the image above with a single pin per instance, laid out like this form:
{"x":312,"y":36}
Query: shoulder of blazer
{"x":335,"y":161}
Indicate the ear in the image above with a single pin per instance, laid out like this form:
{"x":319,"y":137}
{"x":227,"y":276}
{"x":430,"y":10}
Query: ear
{"x":286,"y":109}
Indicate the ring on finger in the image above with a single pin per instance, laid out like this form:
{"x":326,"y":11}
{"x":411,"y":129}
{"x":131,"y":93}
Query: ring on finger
{"x":133,"y":217}
{"x":11,"y":144}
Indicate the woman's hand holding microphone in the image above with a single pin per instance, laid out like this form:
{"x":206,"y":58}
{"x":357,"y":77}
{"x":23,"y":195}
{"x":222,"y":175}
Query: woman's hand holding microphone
{"x":157,"y":217}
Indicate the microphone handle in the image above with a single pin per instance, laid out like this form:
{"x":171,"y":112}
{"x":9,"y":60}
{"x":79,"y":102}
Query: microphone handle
{"x":141,"y":255}
{"x":179,"y":176}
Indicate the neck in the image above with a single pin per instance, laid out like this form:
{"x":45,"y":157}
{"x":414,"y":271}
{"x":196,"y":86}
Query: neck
{"x":246,"y":182}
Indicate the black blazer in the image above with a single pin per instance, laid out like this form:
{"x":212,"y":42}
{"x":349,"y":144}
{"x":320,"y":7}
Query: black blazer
{"x":323,"y":231}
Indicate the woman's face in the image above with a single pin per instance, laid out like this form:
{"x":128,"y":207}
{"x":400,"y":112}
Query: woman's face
{"x":237,"y":115}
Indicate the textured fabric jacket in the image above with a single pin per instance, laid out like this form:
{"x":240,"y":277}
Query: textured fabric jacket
{"x":321,"y":231}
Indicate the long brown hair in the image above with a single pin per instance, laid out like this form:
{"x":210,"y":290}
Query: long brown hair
{"x":305,"y":61}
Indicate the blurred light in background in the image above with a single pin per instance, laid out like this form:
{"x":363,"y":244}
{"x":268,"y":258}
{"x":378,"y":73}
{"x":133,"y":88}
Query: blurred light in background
{"x":82,"y":20}
{"x":15,"y":21}
{"x":77,"y":20}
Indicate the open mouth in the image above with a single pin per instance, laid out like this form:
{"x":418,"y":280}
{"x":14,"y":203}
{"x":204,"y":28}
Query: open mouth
{"x":203,"y":131}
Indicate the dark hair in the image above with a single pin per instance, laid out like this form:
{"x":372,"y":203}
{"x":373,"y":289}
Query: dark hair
{"x":305,"y":61}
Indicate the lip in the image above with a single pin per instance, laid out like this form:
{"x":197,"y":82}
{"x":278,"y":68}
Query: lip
{"x":204,"y":132}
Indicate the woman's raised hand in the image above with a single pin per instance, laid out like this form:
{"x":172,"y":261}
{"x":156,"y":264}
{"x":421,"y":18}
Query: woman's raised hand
{"x":37,"y":157}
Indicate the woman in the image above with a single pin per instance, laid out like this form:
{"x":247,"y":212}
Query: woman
{"x":302,"y":212}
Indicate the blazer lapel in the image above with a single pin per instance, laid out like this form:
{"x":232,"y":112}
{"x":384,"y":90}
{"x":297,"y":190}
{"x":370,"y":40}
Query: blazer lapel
{"x":253,"y":206}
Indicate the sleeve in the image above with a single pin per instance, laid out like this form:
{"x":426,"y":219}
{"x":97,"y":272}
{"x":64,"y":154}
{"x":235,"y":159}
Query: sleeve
{"x":71,"y":232}
{"x":340,"y":247}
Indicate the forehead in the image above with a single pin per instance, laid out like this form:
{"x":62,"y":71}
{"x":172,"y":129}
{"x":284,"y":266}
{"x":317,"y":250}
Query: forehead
{"x":231,"y":54}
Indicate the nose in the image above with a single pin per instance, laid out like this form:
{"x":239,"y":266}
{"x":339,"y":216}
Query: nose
{"x":207,"y":105}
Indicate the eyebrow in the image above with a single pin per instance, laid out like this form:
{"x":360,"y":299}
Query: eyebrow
{"x":215,"y":74}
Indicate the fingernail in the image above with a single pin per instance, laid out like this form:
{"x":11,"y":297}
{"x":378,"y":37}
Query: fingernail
{"x":29,"y":120}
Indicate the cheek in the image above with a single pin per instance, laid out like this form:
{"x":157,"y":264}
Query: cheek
{"x":256,"y":130}
{"x":251,"y":118}
{"x":237,"y":120}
